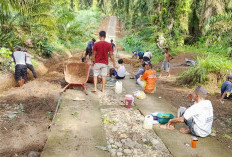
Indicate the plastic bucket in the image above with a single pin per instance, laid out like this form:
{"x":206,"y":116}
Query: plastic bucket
{"x":129,"y":100}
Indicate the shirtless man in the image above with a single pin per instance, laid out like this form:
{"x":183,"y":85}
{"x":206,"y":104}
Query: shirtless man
{"x":166,"y":64}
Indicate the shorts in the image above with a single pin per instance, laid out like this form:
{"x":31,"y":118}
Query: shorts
{"x":100,"y":69}
{"x":20,"y":71}
{"x":88,"y":52}
{"x":166,"y":66}
{"x":145,"y":59}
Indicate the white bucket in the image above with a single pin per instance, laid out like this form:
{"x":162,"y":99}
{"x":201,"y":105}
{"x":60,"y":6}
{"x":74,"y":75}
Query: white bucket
{"x":148,"y":122}
{"x":118,"y":87}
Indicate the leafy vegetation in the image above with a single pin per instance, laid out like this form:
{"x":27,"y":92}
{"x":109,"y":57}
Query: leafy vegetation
{"x":47,"y":25}
{"x":184,"y":25}
{"x":198,"y":26}
{"x":5,"y":58}
{"x":200,"y":73}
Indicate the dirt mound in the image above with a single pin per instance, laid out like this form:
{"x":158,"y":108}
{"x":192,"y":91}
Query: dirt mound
{"x":25,"y":116}
{"x":133,"y":62}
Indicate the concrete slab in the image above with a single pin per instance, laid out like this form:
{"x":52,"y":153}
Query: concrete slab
{"x":77,"y":128}
{"x":174,"y":140}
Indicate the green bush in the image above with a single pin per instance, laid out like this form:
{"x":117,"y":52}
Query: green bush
{"x":211,"y":64}
{"x":5,"y":59}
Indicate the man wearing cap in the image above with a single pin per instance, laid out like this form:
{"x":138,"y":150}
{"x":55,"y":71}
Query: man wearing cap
{"x":89,"y":48}
{"x":198,"y":117}
{"x":148,"y":80}
{"x":19,"y":58}
{"x":226,"y":89}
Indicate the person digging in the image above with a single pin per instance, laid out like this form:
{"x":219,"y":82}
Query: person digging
{"x":226,"y":89}
{"x":100,"y":59}
{"x":29,"y":63}
{"x":89,"y":48}
{"x":198,"y":117}
{"x":19,"y":58}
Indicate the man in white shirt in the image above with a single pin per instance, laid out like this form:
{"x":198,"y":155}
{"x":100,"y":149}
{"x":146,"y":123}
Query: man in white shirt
{"x":147,"y":56}
{"x":198,"y":117}
{"x":29,"y":63}
{"x":19,"y":58}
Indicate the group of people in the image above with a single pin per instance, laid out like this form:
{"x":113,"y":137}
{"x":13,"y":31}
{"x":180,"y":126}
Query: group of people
{"x":99,"y":53}
{"x":198,"y":118}
{"x":22,"y":60}
{"x":146,"y":76}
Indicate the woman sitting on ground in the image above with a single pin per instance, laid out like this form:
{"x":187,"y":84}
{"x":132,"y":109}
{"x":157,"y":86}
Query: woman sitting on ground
{"x":120,"y":73}
{"x":148,"y":80}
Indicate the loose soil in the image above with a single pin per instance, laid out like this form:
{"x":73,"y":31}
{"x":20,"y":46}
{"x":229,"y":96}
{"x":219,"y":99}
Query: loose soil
{"x":26,"y":113}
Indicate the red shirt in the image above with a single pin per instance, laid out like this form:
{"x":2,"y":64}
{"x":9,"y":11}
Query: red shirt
{"x":102,"y":48}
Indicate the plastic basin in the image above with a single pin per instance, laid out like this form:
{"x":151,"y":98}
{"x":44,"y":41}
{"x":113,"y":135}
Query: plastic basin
{"x":163,"y":118}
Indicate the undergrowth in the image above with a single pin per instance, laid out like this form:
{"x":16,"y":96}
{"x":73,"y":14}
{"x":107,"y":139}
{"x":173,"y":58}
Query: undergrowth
{"x":199,"y":74}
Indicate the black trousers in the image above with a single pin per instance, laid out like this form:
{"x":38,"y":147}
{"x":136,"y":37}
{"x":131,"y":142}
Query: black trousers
{"x":20,"y":72}
{"x":30,"y":67}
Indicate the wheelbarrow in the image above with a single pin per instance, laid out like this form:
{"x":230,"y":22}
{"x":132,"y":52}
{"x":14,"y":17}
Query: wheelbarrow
{"x":76,"y":74}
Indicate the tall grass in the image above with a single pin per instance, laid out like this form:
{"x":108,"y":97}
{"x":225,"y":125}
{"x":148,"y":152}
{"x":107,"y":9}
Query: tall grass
{"x":198,"y":74}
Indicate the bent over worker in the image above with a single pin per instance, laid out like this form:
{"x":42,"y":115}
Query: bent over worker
{"x":19,"y":58}
{"x":29,"y":63}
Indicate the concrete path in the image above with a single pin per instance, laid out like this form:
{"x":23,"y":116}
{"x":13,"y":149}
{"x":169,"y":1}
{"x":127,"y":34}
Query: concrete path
{"x":111,"y":31}
{"x":77,"y":128}
{"x":174,"y":140}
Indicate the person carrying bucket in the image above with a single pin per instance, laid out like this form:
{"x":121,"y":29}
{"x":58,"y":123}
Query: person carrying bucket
{"x":148,"y":80}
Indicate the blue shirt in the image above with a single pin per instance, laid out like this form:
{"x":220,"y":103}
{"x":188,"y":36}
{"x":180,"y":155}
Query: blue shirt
{"x":90,"y":45}
{"x":226,"y":86}
{"x":140,"y":53}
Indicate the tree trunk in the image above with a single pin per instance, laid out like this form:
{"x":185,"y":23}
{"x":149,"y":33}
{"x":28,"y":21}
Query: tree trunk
{"x":210,"y":8}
